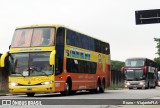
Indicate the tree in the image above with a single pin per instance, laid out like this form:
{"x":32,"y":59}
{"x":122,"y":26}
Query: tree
{"x":158,"y":45}
{"x":117,"y":65}
{"x":157,"y":59}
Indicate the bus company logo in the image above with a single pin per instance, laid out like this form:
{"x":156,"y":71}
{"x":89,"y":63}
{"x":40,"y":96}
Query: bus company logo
{"x":29,"y":82}
{"x":6,"y":102}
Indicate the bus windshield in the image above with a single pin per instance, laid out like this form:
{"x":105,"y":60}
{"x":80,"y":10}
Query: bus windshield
{"x":134,"y":74}
{"x":30,"y":64}
{"x":134,"y":62}
{"x":33,"y":37}
{"x":159,"y":75}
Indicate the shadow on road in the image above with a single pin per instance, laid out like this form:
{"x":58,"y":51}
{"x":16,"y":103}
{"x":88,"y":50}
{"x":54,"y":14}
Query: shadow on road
{"x":59,"y":95}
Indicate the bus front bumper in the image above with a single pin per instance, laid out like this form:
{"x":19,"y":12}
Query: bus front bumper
{"x":139,"y":84}
{"x":32,"y":89}
{"x":135,"y":86}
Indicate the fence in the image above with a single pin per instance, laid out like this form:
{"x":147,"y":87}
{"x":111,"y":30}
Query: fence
{"x":4,"y":78}
{"x":117,"y":78}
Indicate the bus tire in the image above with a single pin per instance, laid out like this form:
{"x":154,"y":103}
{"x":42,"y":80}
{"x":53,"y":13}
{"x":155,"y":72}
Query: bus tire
{"x":67,"y":89}
{"x":147,"y":87}
{"x":102,"y":89}
{"x":154,"y":86}
{"x":30,"y":94}
{"x":97,"y":90}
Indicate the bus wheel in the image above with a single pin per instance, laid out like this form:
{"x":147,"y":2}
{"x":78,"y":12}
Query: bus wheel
{"x":30,"y":94}
{"x":98,"y":87}
{"x":67,"y":89}
{"x":147,"y":87}
{"x":102,"y":89}
{"x":154,"y":86}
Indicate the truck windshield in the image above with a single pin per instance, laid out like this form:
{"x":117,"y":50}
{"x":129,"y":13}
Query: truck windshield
{"x":30,"y":64}
{"x":33,"y":37}
{"x":134,"y":74}
{"x":134,"y":62}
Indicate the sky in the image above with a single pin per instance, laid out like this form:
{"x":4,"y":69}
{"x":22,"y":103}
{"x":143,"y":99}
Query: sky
{"x":112,"y":21}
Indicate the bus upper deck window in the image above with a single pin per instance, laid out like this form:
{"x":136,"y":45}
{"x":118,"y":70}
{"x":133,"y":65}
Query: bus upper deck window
{"x":43,"y":37}
{"x":22,"y":38}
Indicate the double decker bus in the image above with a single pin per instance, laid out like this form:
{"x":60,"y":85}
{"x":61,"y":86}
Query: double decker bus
{"x":54,"y":58}
{"x":140,"y":73}
{"x":158,"y":78}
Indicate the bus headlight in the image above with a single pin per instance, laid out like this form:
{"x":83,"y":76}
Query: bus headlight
{"x":46,"y":83}
{"x":13,"y":84}
{"x":127,"y":83}
{"x":141,"y":83}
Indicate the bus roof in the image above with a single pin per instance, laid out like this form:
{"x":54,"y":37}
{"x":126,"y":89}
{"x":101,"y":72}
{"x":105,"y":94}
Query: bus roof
{"x":138,"y":58}
{"x":56,"y":25}
{"x":40,"y":25}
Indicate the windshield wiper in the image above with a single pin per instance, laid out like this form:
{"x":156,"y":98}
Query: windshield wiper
{"x":45,"y":73}
{"x":17,"y":74}
{"x":38,"y":71}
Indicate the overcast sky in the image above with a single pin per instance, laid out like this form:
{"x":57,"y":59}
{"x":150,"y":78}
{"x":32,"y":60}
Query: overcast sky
{"x":112,"y":21}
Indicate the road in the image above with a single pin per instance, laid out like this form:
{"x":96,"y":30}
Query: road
{"x":109,"y":94}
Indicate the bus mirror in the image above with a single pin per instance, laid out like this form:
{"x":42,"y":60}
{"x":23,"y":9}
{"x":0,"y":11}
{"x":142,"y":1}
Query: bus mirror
{"x":122,"y":70}
{"x":2,"y":60}
{"x":145,"y":69}
{"x":9,"y":47}
{"x":52,"y":58}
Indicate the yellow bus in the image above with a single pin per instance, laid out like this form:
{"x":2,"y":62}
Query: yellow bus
{"x":53,"y":58}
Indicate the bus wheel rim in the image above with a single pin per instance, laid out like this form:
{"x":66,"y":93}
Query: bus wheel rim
{"x":67,"y":87}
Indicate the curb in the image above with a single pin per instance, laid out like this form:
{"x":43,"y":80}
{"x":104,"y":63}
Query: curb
{"x":5,"y":94}
{"x":10,"y":94}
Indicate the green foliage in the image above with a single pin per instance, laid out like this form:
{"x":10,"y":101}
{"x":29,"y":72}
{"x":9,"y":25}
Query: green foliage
{"x":157,"y":60}
{"x":115,"y":87}
{"x":158,"y":52}
{"x":117,"y":65}
{"x":158,"y":45}
{"x":4,"y":91}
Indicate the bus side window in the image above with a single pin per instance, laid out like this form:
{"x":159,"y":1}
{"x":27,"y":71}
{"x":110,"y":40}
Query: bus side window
{"x":59,"y":50}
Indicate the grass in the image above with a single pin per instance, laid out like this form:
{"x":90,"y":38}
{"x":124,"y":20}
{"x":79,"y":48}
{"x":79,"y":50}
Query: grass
{"x":115,"y":87}
{"x":4,"y":91}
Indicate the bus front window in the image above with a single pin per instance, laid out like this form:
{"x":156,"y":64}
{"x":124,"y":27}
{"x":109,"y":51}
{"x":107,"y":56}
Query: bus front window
{"x":134,"y":74}
{"x":22,"y":38}
{"x":134,"y":62}
{"x":33,"y":37}
{"x":35,"y":64}
{"x":39,"y":64}
{"x":19,"y":63}
{"x":43,"y":37}
{"x":159,"y":75}
{"x":129,"y":74}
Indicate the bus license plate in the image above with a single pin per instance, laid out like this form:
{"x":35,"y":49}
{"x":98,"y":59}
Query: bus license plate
{"x":29,"y":89}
